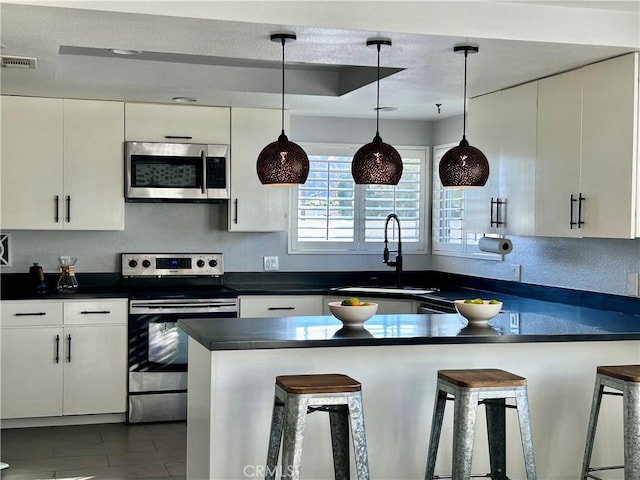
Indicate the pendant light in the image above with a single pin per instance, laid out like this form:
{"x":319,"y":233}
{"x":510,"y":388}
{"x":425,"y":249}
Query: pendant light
{"x":377,"y":162}
{"x":464,"y":165}
{"x":282,"y":162}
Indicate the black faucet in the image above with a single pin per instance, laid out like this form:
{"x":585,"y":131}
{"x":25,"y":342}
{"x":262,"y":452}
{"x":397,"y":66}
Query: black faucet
{"x":398,"y":261}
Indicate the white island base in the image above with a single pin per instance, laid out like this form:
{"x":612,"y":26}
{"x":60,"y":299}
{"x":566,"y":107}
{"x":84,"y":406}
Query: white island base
{"x":231,"y":394}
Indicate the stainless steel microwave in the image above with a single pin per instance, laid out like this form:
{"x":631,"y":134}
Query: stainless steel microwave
{"x":183,"y":172}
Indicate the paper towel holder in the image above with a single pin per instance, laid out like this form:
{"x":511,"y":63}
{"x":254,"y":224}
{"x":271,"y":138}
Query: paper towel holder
{"x":500,"y":245}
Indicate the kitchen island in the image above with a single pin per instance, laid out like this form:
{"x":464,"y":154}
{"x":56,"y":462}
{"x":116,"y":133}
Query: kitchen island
{"x":233,"y":364}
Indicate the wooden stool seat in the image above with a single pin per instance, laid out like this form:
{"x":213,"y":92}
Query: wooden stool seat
{"x":626,"y":373}
{"x":323,"y":383}
{"x":482,"y":378}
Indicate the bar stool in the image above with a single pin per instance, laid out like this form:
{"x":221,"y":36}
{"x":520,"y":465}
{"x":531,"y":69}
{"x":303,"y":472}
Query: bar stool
{"x":468,"y":389}
{"x":626,"y":380}
{"x":295,"y":397}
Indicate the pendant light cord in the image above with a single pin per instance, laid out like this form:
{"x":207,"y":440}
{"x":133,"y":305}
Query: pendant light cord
{"x":464,"y":99}
{"x":282,"y":110}
{"x":378,"y":95}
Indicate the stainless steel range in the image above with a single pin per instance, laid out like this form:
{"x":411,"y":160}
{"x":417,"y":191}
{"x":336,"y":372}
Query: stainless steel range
{"x":163,"y":289}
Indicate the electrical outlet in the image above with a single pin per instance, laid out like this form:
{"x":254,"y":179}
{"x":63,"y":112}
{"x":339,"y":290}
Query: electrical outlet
{"x":270,"y":264}
{"x":633,"y":284}
{"x":516,"y":273}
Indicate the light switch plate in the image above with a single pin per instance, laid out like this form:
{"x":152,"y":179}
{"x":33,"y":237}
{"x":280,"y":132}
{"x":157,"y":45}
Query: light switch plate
{"x":516,"y":273}
{"x":270,"y":263}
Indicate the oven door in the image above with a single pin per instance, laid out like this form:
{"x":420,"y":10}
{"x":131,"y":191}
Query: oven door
{"x":158,"y":354}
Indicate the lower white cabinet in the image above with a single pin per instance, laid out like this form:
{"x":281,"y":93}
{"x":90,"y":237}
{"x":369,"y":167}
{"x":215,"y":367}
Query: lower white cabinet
{"x":385,"y":305}
{"x":279,"y":305}
{"x":63,"y":357}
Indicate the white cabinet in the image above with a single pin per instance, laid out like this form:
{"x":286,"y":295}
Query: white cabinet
{"x":176,"y":123}
{"x":503,"y":126}
{"x":63,"y":357}
{"x":587,"y":149}
{"x":279,"y":305}
{"x":255,"y":207}
{"x":385,"y":305}
{"x":62,"y":164}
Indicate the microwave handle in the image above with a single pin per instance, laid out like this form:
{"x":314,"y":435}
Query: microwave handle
{"x":203,"y":155}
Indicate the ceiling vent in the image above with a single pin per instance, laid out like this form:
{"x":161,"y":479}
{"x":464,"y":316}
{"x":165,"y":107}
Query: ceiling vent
{"x":18,"y":62}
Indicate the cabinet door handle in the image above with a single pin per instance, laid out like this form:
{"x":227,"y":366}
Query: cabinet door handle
{"x":203,"y":155}
{"x":235,"y":211}
{"x":68,"y":208}
{"x":69,"y":349}
{"x":492,"y":221}
{"x":178,"y":137}
{"x":57,"y":348}
{"x":580,"y":200}
{"x":571,"y":222}
{"x":498,"y":218}
{"x":95,"y":312}
{"x":30,"y":314}
{"x":56,"y":204}
{"x":281,"y":308}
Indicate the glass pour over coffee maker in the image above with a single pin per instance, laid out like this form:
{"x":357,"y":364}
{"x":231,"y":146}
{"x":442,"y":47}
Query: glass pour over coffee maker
{"x":67,"y":280}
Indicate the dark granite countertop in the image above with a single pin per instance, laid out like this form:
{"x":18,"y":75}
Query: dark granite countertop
{"x":407,"y":329}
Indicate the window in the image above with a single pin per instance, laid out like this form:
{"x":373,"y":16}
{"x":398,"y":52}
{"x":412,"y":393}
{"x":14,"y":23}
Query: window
{"x":330,"y":213}
{"x":449,"y":235}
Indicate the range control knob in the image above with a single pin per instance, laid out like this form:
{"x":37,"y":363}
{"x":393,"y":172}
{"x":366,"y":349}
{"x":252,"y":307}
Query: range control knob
{"x":200,"y":263}
{"x":146,"y":263}
{"x":213,"y":263}
{"x":133,"y":263}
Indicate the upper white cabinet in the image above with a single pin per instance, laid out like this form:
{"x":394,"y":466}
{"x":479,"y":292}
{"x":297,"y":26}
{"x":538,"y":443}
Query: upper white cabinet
{"x":503,"y":126}
{"x":62,"y":164}
{"x":587,"y":151}
{"x":146,"y":122}
{"x":255,"y":207}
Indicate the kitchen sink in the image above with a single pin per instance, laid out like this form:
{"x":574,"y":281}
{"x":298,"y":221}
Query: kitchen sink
{"x":406,"y":290}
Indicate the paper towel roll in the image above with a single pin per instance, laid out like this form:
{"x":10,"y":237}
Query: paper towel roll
{"x":495,"y":245}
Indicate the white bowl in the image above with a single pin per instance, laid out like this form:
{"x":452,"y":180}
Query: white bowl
{"x":353,"y":315}
{"x":476,"y":313}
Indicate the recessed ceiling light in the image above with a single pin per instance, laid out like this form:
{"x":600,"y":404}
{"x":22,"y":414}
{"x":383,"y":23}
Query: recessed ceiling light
{"x":125,"y":51}
{"x":185,"y":99}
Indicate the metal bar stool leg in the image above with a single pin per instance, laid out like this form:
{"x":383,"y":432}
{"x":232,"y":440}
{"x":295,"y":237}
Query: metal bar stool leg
{"x":436,"y":429}
{"x":522,"y":404}
{"x":631,"y":418}
{"x":465,"y":412}
{"x":339,"y":422}
{"x":293,"y":436}
{"x":593,"y":423}
{"x":277,"y":420}
{"x":356,"y":419}
{"x":496,"y":432}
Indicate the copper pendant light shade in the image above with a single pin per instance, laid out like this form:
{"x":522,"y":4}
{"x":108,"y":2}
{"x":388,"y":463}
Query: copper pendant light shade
{"x":464,"y":165}
{"x":377,"y":162}
{"x":282,"y":162}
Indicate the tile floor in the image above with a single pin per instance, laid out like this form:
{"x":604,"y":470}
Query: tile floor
{"x":111,"y":451}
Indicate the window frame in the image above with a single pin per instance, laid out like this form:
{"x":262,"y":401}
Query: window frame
{"x":358,"y":245}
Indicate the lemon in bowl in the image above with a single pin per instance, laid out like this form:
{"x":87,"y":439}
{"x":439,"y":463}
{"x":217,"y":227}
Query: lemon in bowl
{"x":352,"y":312}
{"x":478,"y":311}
